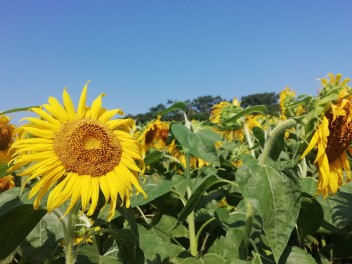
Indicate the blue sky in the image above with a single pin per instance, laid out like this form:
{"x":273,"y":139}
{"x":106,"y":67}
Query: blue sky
{"x":142,"y":53}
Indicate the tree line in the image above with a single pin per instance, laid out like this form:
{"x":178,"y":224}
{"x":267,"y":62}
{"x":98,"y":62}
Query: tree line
{"x":200,"y":107}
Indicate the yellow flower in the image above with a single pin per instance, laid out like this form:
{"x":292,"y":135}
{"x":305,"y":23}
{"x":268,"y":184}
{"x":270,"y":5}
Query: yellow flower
{"x":332,"y":139}
{"x":154,"y":135}
{"x":6,"y":139}
{"x":223,"y":111}
{"x":6,"y":183}
{"x":288,"y":97}
{"x":77,"y":153}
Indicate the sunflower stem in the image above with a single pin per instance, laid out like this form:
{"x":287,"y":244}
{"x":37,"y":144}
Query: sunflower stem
{"x":69,"y":235}
{"x":272,"y":138}
{"x":250,"y":210}
{"x":248,"y":137}
{"x":193,"y":245}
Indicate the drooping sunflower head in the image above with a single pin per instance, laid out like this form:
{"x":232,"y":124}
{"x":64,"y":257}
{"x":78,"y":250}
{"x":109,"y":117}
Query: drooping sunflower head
{"x":332,"y":138}
{"x":224,"y":110}
{"x":78,"y":153}
{"x":6,"y":139}
{"x":154,"y":135}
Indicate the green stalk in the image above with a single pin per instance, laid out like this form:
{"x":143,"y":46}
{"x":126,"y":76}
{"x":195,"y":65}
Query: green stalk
{"x":271,"y":140}
{"x":190,"y":218}
{"x":250,"y":210}
{"x":248,"y":137}
{"x":70,"y":253}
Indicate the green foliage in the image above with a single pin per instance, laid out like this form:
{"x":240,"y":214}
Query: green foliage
{"x":248,"y":198}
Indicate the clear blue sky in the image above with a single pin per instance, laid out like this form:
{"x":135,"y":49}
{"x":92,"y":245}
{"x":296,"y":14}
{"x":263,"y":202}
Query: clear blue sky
{"x":142,"y":53}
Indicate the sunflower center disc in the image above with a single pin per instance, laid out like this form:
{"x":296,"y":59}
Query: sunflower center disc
{"x":87,"y":147}
{"x":339,"y":138}
{"x":5,"y":137}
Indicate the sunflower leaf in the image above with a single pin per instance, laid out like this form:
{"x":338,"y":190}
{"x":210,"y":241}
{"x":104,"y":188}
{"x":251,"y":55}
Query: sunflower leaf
{"x":179,"y":106}
{"x":200,"y":144}
{"x":293,"y":255}
{"x":254,"y":109}
{"x":14,"y":110}
{"x":195,"y":197}
{"x":277,"y":199}
{"x":153,"y":190}
{"x":16,"y":224}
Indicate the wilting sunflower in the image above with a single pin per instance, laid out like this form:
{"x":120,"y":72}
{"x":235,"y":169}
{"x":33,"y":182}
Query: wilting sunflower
{"x":223,"y":111}
{"x":154,"y":135}
{"x":332,"y":138}
{"x":6,"y":139}
{"x":77,"y":153}
{"x":6,"y":183}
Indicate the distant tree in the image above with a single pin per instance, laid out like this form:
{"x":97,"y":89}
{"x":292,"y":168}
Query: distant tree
{"x":270,"y":100}
{"x":200,"y":107}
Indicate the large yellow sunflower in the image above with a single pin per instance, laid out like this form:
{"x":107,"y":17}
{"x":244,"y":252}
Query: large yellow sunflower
{"x":77,"y":153}
{"x":6,"y":139}
{"x":332,"y":139}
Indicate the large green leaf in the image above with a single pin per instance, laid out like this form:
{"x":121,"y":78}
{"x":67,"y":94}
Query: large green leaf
{"x":295,"y":255}
{"x":200,"y":144}
{"x":155,"y":247}
{"x":128,"y":244}
{"x":278,"y":199}
{"x":337,"y":208}
{"x":311,"y":214}
{"x":88,"y":254}
{"x":42,"y":241}
{"x":166,"y":224}
{"x":228,"y":246}
{"x":153,"y":190}
{"x":16,"y":224}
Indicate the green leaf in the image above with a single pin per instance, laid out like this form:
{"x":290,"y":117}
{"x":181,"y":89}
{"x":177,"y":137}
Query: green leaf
{"x":128,"y":245}
{"x":311,"y":214}
{"x":166,"y":224}
{"x":337,"y":208}
{"x":277,"y":198}
{"x":294,"y":255}
{"x":309,"y":185}
{"x":200,"y":144}
{"x":14,"y":110}
{"x":228,"y":246}
{"x":343,"y":244}
{"x":3,"y":170}
{"x":261,"y":109}
{"x":88,"y":254}
{"x":259,"y":135}
{"x":42,"y":241}
{"x":211,"y":258}
{"x":179,"y":106}
{"x":152,"y":158}
{"x":16,"y":224}
{"x":196,"y":195}
{"x":154,"y":247}
{"x":153,"y":190}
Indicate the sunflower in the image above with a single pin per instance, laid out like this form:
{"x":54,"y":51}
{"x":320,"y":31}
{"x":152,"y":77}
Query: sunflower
{"x":75,"y":154}
{"x":223,"y":111}
{"x":6,"y":183}
{"x":154,"y":135}
{"x":332,"y":139}
{"x":6,"y":139}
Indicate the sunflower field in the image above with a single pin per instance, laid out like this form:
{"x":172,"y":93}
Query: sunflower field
{"x":80,"y":183}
